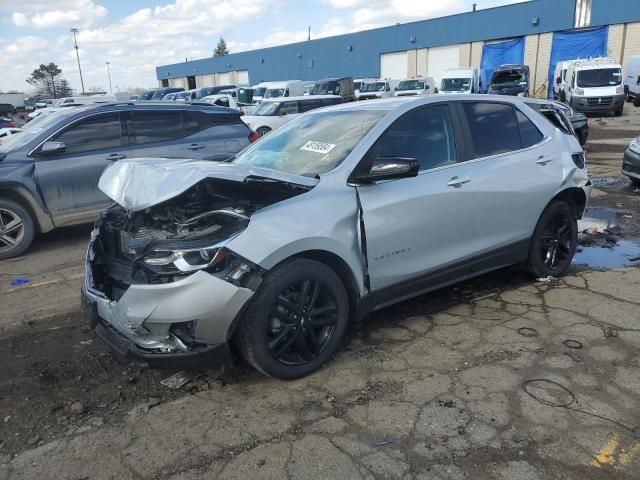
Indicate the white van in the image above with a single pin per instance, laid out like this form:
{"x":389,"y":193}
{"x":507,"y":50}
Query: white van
{"x":358,"y":83}
{"x":595,"y":85}
{"x":258,"y":91}
{"x":378,"y":89}
{"x":560,"y":80}
{"x":461,"y":80}
{"x":416,"y":86}
{"x":87,"y":100}
{"x":632,"y":80}
{"x":288,"y":88}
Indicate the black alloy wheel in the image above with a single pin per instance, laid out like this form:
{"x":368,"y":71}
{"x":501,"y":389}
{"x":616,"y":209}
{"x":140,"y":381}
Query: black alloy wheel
{"x":295,"y":321}
{"x":554,"y":241}
{"x":302,"y":322}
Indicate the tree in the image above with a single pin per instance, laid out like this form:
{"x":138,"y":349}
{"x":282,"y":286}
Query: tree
{"x":221,"y":48}
{"x":48,"y":81}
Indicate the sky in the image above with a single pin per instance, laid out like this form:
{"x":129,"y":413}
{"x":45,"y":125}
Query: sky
{"x":136,"y":36}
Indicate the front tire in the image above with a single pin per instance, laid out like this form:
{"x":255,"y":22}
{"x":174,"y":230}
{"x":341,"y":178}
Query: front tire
{"x":554,"y":241}
{"x":296,"y":320}
{"x":16,"y":229}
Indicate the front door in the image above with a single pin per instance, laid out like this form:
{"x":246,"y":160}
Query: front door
{"x":419,"y":230}
{"x":69,"y":180}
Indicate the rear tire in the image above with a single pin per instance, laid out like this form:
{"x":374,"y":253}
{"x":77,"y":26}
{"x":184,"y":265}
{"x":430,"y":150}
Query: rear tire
{"x":554,"y":241}
{"x":16,"y":229}
{"x":296,"y":320}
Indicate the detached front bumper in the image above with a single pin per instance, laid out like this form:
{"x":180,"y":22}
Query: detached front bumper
{"x":140,"y":325}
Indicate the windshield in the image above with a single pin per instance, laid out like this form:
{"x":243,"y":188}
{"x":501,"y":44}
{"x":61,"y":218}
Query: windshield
{"x":259,"y":91}
{"x":311,"y":144}
{"x":604,"y":77}
{"x":411,"y":85}
{"x":373,"y":87}
{"x":324,"y":88}
{"x":266,"y":109}
{"x":455,"y":84}
{"x":274,"y":92}
{"x":508,"y":78}
{"x":31,"y":130}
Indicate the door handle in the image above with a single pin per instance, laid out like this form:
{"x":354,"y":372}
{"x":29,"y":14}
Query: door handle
{"x":112,"y":157}
{"x":457,"y":182}
{"x":542,"y":160}
{"x":195,"y":146}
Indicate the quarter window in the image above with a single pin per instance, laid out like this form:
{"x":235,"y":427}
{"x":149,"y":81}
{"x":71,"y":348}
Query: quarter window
{"x":425,"y":134}
{"x":529,"y":133}
{"x":150,"y":127}
{"x":306,"y":105}
{"x":96,"y":133}
{"x":493,"y":128}
{"x":288,"y":108}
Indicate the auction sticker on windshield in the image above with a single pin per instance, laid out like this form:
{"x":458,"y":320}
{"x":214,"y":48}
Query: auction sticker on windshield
{"x":318,"y":147}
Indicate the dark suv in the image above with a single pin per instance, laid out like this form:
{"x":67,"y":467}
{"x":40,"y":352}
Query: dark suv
{"x":49,"y":173}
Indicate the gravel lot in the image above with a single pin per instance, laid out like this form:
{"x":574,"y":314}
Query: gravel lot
{"x":500,"y":377}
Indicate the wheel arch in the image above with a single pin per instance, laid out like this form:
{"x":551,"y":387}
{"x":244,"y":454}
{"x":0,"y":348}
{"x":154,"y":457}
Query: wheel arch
{"x":41,"y":220}
{"x":575,"y":197}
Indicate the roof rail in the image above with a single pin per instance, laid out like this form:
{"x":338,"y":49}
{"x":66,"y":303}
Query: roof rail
{"x":112,"y":104}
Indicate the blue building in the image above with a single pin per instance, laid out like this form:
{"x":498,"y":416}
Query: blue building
{"x":537,"y":33}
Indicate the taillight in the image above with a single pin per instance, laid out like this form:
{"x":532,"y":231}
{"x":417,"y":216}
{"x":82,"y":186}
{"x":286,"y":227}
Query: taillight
{"x":253,"y":136}
{"x":578,"y":159}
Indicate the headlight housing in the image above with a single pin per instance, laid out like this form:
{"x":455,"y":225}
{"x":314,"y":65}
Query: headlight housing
{"x":185,"y":260}
{"x":634,"y":146}
{"x":579,"y":91}
{"x":619,"y":89}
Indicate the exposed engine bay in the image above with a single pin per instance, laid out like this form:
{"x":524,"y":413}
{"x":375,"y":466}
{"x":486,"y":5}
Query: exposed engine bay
{"x":175,"y":238}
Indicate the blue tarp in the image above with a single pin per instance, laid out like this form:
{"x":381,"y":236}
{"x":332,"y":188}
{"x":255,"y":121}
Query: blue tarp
{"x":496,"y":54}
{"x":570,"y":45}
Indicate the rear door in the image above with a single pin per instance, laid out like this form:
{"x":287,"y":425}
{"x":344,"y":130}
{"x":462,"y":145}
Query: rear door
{"x":515,"y":172}
{"x":69,"y":180}
{"x":185,"y":134}
{"x":419,"y":230}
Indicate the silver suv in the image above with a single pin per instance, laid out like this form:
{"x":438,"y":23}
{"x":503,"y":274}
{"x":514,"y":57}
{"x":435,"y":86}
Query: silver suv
{"x":340,"y":212}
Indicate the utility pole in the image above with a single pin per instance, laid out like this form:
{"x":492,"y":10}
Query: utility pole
{"x":309,"y":35}
{"x":75,"y":42}
{"x":109,"y":75}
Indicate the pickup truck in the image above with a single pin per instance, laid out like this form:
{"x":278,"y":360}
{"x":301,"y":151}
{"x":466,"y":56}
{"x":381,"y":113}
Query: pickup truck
{"x":49,"y":172}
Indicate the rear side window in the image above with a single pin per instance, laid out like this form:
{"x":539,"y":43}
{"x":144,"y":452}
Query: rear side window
{"x":157,"y":126}
{"x":306,"y":105}
{"x":288,"y":107}
{"x":529,"y":133}
{"x":95,"y":133}
{"x":493,"y":128}
{"x":195,"y":121}
{"x":425,"y":134}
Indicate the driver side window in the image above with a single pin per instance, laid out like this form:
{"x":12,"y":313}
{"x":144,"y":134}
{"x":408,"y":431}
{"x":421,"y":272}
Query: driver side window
{"x":99,"y":132}
{"x":425,"y":134}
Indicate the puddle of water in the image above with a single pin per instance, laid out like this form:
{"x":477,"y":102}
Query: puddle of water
{"x":601,"y":257}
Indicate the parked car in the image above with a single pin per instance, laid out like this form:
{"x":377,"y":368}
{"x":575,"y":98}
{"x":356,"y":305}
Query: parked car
{"x":186,"y":96}
{"x":226,"y":100}
{"x":563,"y":117}
{"x":6,"y":122}
{"x":308,"y":88}
{"x":6,"y":132}
{"x":288,"y":88}
{"x":336,"y":86}
{"x":632,"y":80}
{"x":7,"y":109}
{"x":159,"y":93}
{"x":358,"y":83}
{"x":147,"y":94}
{"x":272,"y":113}
{"x":342,"y":211}
{"x":49,"y":173}
{"x":631,"y":161}
{"x":595,"y":85}
{"x":30,"y":103}
{"x":462,"y":80}
{"x":258,"y":91}
{"x":378,"y":89}
{"x":212,"y":90}
{"x":510,"y":80}
{"x":416,"y":86}
{"x":560,"y":80}
{"x":169,"y":97}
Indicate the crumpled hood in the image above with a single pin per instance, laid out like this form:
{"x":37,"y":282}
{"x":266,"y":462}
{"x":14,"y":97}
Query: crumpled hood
{"x":140,"y":183}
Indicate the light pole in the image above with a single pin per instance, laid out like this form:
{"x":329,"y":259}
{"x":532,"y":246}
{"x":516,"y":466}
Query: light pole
{"x":75,"y":42}
{"x":109,"y":75}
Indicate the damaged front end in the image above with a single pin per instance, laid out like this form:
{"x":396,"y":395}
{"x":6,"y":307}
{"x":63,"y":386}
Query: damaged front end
{"x":162,"y":288}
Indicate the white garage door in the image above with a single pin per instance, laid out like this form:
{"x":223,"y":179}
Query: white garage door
{"x":440,"y":59}
{"x":224,"y":78}
{"x":393,"y":65}
{"x":243,"y":77}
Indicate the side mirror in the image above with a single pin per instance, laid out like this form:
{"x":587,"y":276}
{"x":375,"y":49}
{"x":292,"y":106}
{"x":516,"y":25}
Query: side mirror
{"x":389,"y":168}
{"x":51,"y":148}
